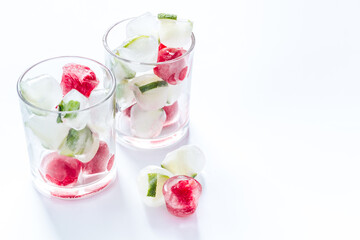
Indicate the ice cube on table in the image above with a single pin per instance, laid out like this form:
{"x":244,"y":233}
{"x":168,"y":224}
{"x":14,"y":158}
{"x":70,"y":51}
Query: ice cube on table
{"x":175,"y":33}
{"x":73,"y":101}
{"x":42,"y":91}
{"x":82,"y":144}
{"x":142,"y":49}
{"x":151,"y":92}
{"x":50,"y":133}
{"x":181,"y":194}
{"x":60,"y":170}
{"x":150,"y":183}
{"x":124,"y":94}
{"x":145,"y":24}
{"x":146,"y":124}
{"x":187,"y":160}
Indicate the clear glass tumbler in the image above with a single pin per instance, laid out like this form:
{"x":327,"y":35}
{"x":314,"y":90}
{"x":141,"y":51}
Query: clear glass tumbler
{"x":68,"y":109}
{"x":152,"y":98}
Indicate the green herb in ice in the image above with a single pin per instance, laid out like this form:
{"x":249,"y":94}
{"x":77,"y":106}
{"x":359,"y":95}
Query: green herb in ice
{"x":70,"y":106}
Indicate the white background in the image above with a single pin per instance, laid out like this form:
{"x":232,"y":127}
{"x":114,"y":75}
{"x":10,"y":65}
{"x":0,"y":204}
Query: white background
{"x":275,"y":107}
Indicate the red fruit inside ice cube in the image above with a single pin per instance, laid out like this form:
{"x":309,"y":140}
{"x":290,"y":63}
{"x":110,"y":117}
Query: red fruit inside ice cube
{"x":171,"y":72}
{"x":161,"y":46}
{"x":110,"y":163}
{"x":100,"y":161}
{"x":127,"y":111}
{"x":60,"y":170}
{"x":181,"y":195}
{"x":79,"y":77}
{"x":171,"y":113}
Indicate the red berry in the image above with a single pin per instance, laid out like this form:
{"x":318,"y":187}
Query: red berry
{"x":100,"y":161}
{"x":60,"y":170}
{"x":181,"y":195}
{"x":171,"y":72}
{"x":171,"y":113}
{"x":111,"y":163}
{"x":161,"y":46}
{"x":127,"y":111}
{"x":79,"y":77}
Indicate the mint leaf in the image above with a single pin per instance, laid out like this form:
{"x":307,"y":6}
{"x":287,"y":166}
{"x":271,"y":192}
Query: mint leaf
{"x":72,"y":139}
{"x":70,"y":106}
{"x":59,"y":120}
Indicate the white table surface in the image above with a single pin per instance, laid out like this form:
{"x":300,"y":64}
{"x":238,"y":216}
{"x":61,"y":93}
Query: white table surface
{"x":275,"y":107}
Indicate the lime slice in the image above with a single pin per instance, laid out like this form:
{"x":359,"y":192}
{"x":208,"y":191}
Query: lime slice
{"x":150,"y":182}
{"x":152,"y":85}
{"x":140,"y":49}
{"x":131,"y":42}
{"x":167,"y":16}
{"x":156,"y":181}
{"x":187,"y":160}
{"x":151,"y":92}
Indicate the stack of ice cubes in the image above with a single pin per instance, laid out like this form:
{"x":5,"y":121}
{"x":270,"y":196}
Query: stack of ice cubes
{"x":141,"y":92}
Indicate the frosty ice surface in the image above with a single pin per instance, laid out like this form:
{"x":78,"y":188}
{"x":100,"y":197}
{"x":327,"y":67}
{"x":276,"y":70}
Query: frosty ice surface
{"x":181,"y":194}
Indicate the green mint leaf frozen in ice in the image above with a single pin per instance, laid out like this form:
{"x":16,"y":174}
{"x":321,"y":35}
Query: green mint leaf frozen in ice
{"x":70,"y":106}
{"x":72,"y":139}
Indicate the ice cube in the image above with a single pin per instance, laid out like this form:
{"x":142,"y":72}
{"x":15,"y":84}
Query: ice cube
{"x":151,"y":92}
{"x":172,"y":114}
{"x":175,"y":33}
{"x":181,"y":194}
{"x":81,"y":144}
{"x":187,"y":160}
{"x":150,"y":184}
{"x":121,"y":69}
{"x":174,"y":93}
{"x":76,"y":76}
{"x":101,"y":113}
{"x":142,"y":49}
{"x":124,"y":95}
{"x":146,"y":24}
{"x":173,"y":72}
{"x":73,"y":101}
{"x":146,"y":124}
{"x":50,"y":133}
{"x":100,"y":161}
{"x":60,"y":170}
{"x":42,"y":91}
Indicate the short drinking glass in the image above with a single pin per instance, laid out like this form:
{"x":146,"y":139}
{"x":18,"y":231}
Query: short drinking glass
{"x":68,"y":108}
{"x":152,"y":84}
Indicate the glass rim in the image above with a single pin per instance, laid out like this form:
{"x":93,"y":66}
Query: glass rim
{"x":109,"y":94}
{"x":107,"y":48}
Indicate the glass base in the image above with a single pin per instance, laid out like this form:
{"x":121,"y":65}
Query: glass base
{"x":155,"y":143}
{"x":82,"y":191}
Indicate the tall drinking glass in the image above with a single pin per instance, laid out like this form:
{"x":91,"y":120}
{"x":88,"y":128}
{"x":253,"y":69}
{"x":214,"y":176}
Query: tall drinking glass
{"x":68,"y":108}
{"x":152,"y":98}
